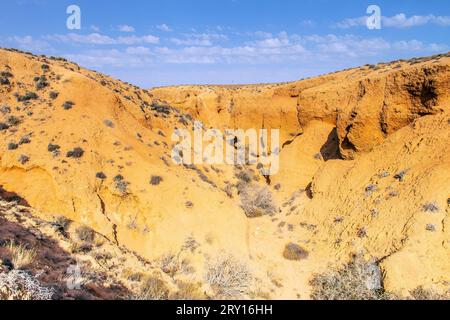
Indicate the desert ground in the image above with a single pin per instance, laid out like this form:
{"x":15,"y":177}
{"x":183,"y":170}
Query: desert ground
{"x":93,"y":207}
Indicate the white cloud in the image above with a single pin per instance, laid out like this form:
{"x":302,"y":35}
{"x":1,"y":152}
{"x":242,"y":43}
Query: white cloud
{"x":94,"y":28}
{"x":198,"y":39}
{"x":138,"y":50}
{"x":281,"y":40}
{"x":164,"y":27}
{"x":125,"y":28}
{"x":30,"y":43}
{"x":398,"y":21}
{"x":352,"y":22}
{"x":99,"y":39}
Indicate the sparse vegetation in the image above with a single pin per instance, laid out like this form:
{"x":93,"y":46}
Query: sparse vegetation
{"x":294,"y":252}
{"x":156,"y":180}
{"x":188,"y":291}
{"x":54,"y":148}
{"x":358,"y":280}
{"x":13,"y":146}
{"x":20,"y":285}
{"x":75,"y":153}
{"x":109,"y":123}
{"x":24,"y":159}
{"x":68,"y":105}
{"x":21,"y":255}
{"x":431,"y":207}
{"x":257,"y":201}
{"x":121,"y":184}
{"x":53,"y":95}
{"x":86,"y":234}
{"x":25,"y":140}
{"x":100,"y":175}
{"x":429,"y":294}
{"x":229,"y":278}
{"x":41,"y":83}
{"x":13,"y":121}
{"x":61,"y":223}
{"x":152,"y":289}
{"x":401,"y":175}
{"x":27,"y":97}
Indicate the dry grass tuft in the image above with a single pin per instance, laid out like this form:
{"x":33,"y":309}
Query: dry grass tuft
{"x":188,"y":291}
{"x":229,"y":278}
{"x":257,"y":202}
{"x":152,"y":289}
{"x":358,"y":280}
{"x":294,"y":252}
{"x":85,"y":234}
{"x":21,"y":255}
{"x":428,"y":294}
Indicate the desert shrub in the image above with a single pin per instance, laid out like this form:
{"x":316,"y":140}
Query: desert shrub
{"x":6,"y":74}
{"x":160,"y":107}
{"x":27,"y":97}
{"x":121,"y":184}
{"x":401,"y":175}
{"x":45,"y":67}
{"x":257,"y":202}
{"x":228,"y":278}
{"x":430,"y":227}
{"x":109,"y":123}
{"x":20,"y":285}
{"x":430,"y":207}
{"x":191,"y":244}
{"x":13,"y":121}
{"x":100,"y":175}
{"x":21,"y":255}
{"x":371,"y":188}
{"x":155,"y":180}
{"x":294,"y":252}
{"x":172,"y":264}
{"x":3,"y":126}
{"x":5,"y":109}
{"x":428,"y":294}
{"x":42,"y":83}
{"x":245,"y":176}
{"x":152,"y":289}
{"x":53,"y":95}
{"x":4,"y":81}
{"x":13,"y":146}
{"x":68,"y":105}
{"x":361,"y":232}
{"x":53,"y":148}
{"x":75,"y":153}
{"x":25,"y":140}
{"x":84,"y":233}
{"x":24,"y":159}
{"x":188,"y":291}
{"x":358,"y":280}
{"x":61,"y":222}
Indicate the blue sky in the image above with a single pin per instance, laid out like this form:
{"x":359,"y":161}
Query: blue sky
{"x":155,"y":43}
